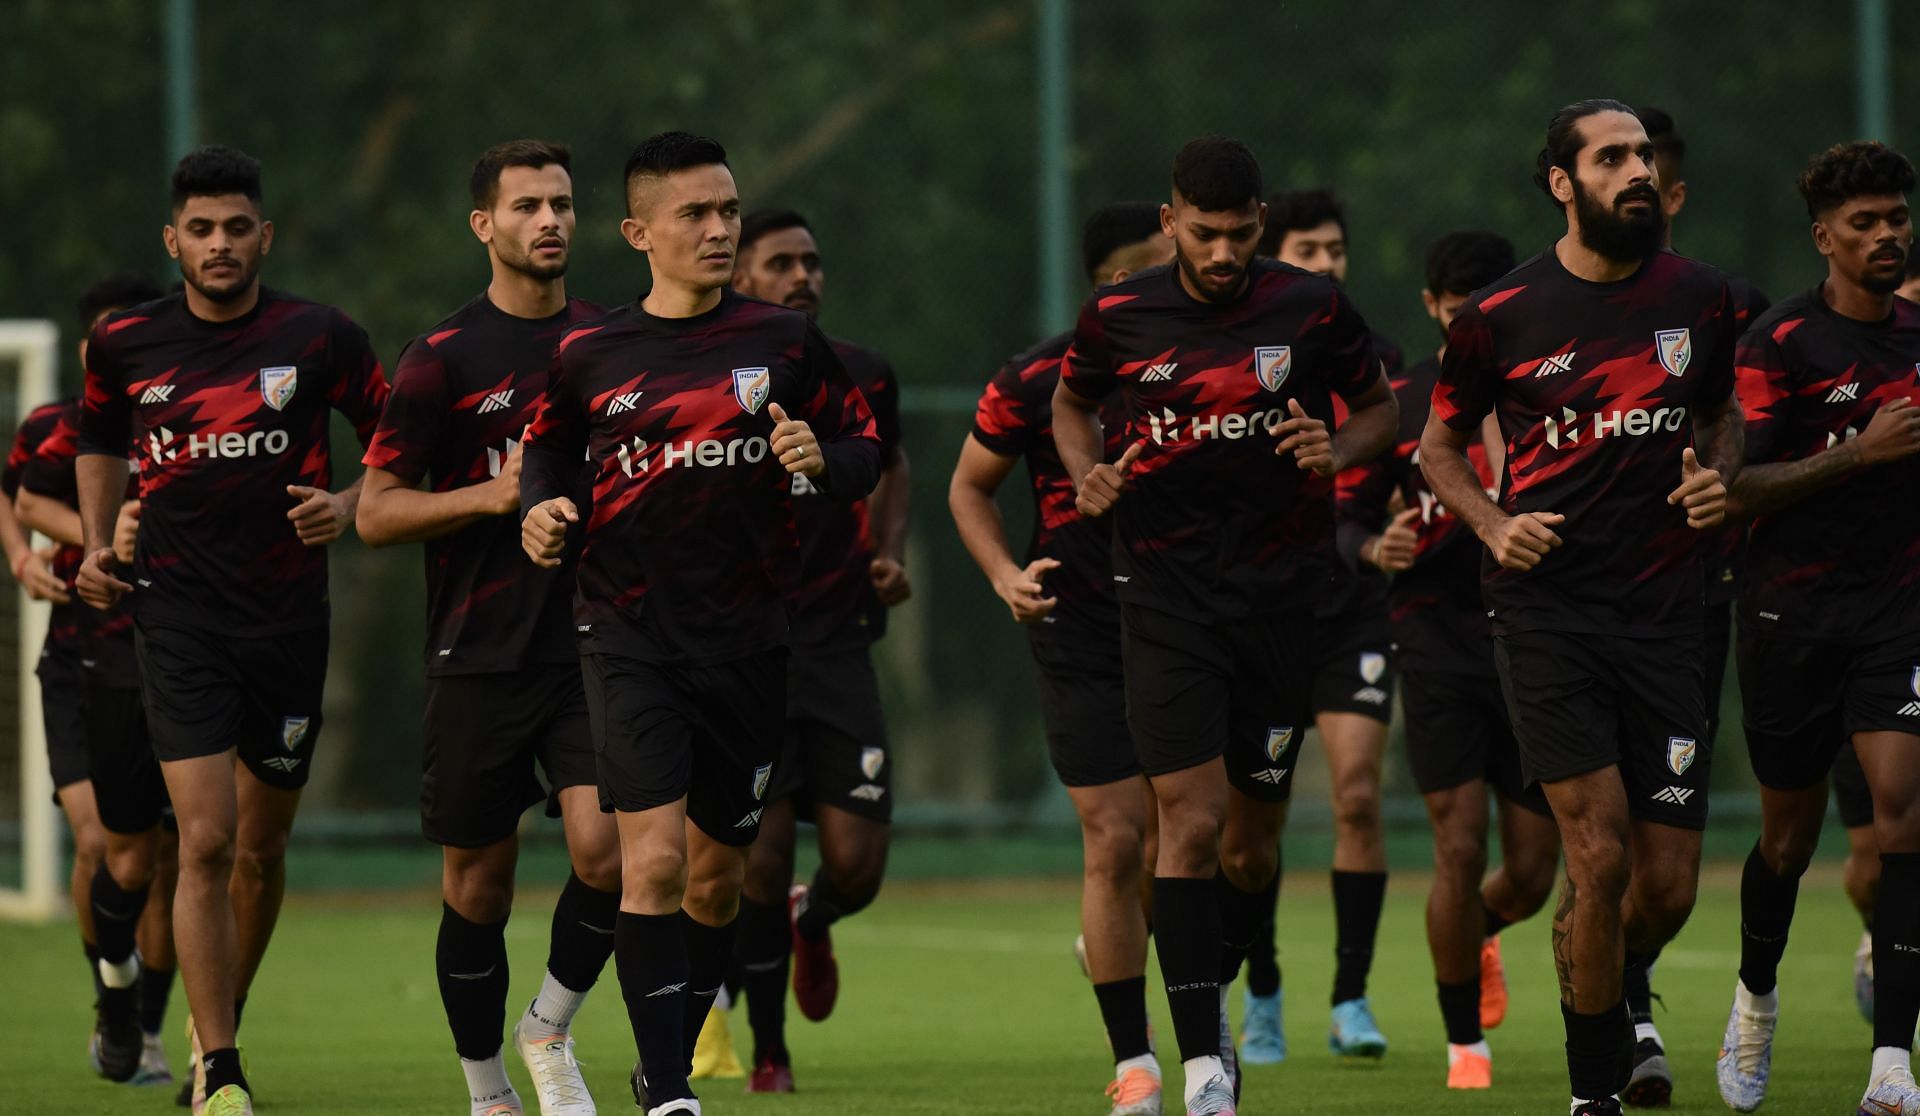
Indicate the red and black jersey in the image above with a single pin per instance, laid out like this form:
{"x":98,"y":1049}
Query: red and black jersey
{"x":690,"y":550}
{"x":834,"y":603}
{"x":1214,"y":524}
{"x":1596,"y":386}
{"x":232,"y":413}
{"x":1357,"y":590}
{"x":1014,"y":418}
{"x":1730,"y":541}
{"x":1843,"y":564}
{"x":105,"y":639}
{"x":48,"y":427}
{"x":463,"y":396}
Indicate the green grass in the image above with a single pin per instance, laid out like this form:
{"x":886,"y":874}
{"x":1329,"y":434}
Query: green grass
{"x":956,"y":998}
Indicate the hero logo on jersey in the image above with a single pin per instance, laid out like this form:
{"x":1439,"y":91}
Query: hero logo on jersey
{"x":1681,"y":751}
{"x":1277,"y":741}
{"x":277,"y":385}
{"x":762,"y":775}
{"x":1675,"y":347}
{"x":871,"y":761}
{"x":750,"y":388}
{"x":1271,"y":364}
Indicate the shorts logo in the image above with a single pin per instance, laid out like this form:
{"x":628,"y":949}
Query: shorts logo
{"x":868,"y":792}
{"x":1277,"y":741}
{"x":750,"y":388}
{"x":1271,"y":364}
{"x":293,"y":730}
{"x":762,"y":775}
{"x":751,"y":820}
{"x":1372,"y":695}
{"x":1912,"y":708}
{"x":1674,"y":796}
{"x":1675,"y":347}
{"x":871,"y":761}
{"x":283,"y":764}
{"x":1680,"y":753}
{"x":277,"y":385}
{"x":1372,"y":665}
{"x":1270,"y":776}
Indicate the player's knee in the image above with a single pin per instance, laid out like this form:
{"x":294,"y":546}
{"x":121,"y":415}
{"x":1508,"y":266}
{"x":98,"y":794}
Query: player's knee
{"x":1112,"y":849}
{"x":1356,"y":803}
{"x":654,"y":878}
{"x":131,"y":866}
{"x":598,"y":868}
{"x":1599,"y":873}
{"x":714,"y":898}
{"x":857,"y":876}
{"x":1250,"y":865}
{"x":1789,"y":854}
{"x":206,"y":849}
{"x":1531,"y":882}
{"x":1459,"y":856}
{"x":1896,"y":826}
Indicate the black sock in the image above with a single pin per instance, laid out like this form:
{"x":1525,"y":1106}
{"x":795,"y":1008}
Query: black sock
{"x":1240,"y":915}
{"x":764,"y":950}
{"x":471,"y":960}
{"x":1766,"y":914}
{"x":1599,"y":1051}
{"x":116,"y":914}
{"x":1357,"y":899}
{"x":1186,"y":935}
{"x":93,"y":967}
{"x":826,"y":905}
{"x":223,"y":1069}
{"x":1460,"y":1011}
{"x":1263,"y":954}
{"x":709,"y":953}
{"x":1636,"y":985}
{"x":1896,"y":950}
{"x":156,"y":987}
{"x":650,"y":954}
{"x":1496,"y":922}
{"x":582,"y":936}
{"x":1123,"y":1008}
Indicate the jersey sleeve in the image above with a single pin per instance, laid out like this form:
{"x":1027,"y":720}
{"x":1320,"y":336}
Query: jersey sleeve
{"x":49,"y":469}
{"x":1347,"y":362}
{"x":359,"y":389}
{"x":1464,"y":392}
{"x":882,"y":394}
{"x":1719,"y":367}
{"x":26,"y":441}
{"x":106,"y":414}
{"x":1008,"y":418}
{"x":842,"y":422}
{"x":556,"y":442}
{"x":414,"y":417}
{"x":1764,"y":381}
{"x":1088,"y":368}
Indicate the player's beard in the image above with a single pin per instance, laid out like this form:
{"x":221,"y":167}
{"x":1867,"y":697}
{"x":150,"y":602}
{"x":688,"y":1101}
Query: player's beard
{"x":1209,"y":285}
{"x":1889,"y":280}
{"x":522,"y":261}
{"x":231,"y":293}
{"x":1617,"y":235}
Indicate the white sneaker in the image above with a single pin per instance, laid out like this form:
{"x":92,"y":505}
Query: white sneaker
{"x":1893,"y":1093}
{"x":556,"y":1075}
{"x":153,"y":1063}
{"x":689,"y":1106}
{"x":1746,"y":1051}
{"x":508,"y":1105}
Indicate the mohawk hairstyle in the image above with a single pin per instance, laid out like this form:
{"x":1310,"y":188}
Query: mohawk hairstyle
{"x":1112,"y":228}
{"x":485,"y":181}
{"x":1217,"y":174}
{"x":214,"y":170}
{"x":1564,"y":141}
{"x":1851,"y":170}
{"x":661,"y":154}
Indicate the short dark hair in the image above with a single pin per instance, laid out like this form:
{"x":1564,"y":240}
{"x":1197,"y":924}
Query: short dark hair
{"x":763,"y":222}
{"x":116,"y":292}
{"x":1300,"y":210}
{"x":1564,"y":140}
{"x":660,"y":155}
{"x":1215,"y":174}
{"x":1465,"y":260}
{"x":214,"y":170}
{"x":1852,"y":170}
{"x":1113,"y":227}
{"x":1669,"y":146}
{"x":485,"y":181}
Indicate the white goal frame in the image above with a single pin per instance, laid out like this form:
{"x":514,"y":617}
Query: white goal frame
{"x":41,"y":896}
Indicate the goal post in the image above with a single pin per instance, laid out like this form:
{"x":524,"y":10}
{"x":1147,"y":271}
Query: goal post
{"x":33,"y":891}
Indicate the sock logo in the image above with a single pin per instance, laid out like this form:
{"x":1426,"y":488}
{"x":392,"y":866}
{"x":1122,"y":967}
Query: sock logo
{"x":667,"y":990}
{"x":474,"y":976}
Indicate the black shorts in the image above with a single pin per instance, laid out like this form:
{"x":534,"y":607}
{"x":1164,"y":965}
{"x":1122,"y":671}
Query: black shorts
{"x":709,"y":734}
{"x":1715,"y":641}
{"x":1083,"y":704}
{"x":63,"y":711}
{"x":1580,"y":702}
{"x":1353,"y":666}
{"x":1850,"y":794}
{"x":1239,"y":689}
{"x":483,"y":735}
{"x":1458,"y":731}
{"x":127,"y":785}
{"x":207,"y":693}
{"x":1801,"y":701}
{"x":834,"y":751}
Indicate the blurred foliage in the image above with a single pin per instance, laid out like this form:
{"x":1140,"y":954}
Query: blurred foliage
{"x":906,"y":130}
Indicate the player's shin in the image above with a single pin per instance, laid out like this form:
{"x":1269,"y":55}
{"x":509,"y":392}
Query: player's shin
{"x":1896,"y":953}
{"x":650,"y":954}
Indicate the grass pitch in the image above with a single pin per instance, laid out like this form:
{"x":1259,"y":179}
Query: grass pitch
{"x":956,"y":999}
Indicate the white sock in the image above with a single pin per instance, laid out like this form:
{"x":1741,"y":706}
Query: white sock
{"x":487,"y":1081}
{"x":555,"y":1006}
{"x":1887,"y":1058}
{"x":123,"y":975}
{"x":1200,"y":1071}
{"x":1645,"y":1031}
{"x":1749,"y":1004}
{"x":1143,"y":1061}
{"x":1455,"y":1051}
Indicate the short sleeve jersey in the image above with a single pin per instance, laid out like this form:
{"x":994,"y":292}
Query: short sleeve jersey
{"x":51,"y":427}
{"x":834,"y":603}
{"x":690,"y":549}
{"x":1214,"y":524}
{"x":1596,"y":386}
{"x":463,"y":395}
{"x":232,"y":414}
{"x":1014,"y":418}
{"x":1841,"y":566}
